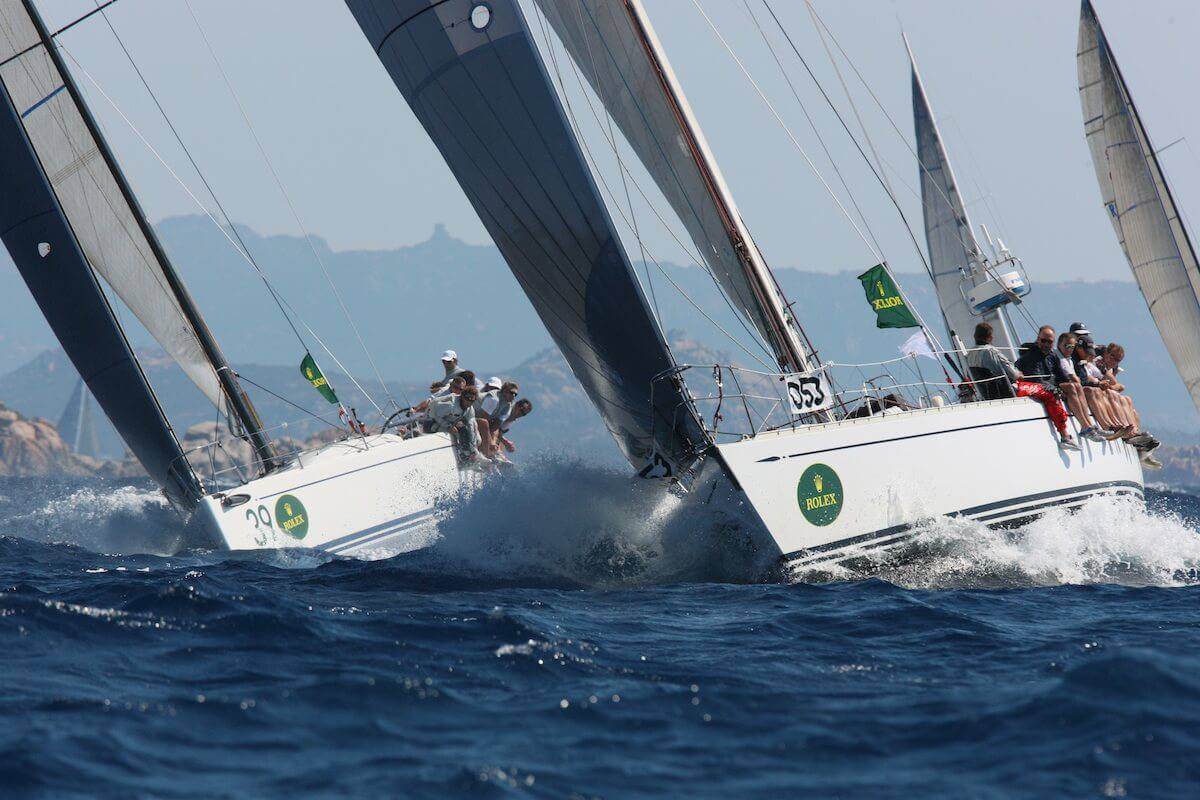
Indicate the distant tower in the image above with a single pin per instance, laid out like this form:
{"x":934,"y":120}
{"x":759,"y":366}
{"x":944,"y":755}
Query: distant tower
{"x":76,"y":426}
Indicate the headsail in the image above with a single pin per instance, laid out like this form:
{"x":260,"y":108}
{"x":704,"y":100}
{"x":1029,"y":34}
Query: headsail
{"x":1139,"y":201}
{"x":954,"y":252}
{"x":473,"y":77}
{"x":613,"y":45}
{"x":104,"y":224}
{"x":43,"y":246}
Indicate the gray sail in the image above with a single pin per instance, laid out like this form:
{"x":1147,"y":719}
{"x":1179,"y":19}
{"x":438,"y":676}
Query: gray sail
{"x":1139,"y":202}
{"x":44,"y":248}
{"x":954,"y":253}
{"x":603,"y":40}
{"x":473,"y":77}
{"x":76,"y":425}
{"x":104,"y":224}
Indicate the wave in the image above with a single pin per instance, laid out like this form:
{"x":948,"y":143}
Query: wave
{"x":563,"y":522}
{"x":1107,"y":541}
{"x":98,"y":516}
{"x":559,"y":520}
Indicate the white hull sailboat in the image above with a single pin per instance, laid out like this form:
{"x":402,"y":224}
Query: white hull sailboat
{"x":83,"y":245}
{"x":833,"y":491}
{"x":361,"y":496}
{"x":847,"y":470}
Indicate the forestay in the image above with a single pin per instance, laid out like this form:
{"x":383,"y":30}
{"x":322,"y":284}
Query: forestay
{"x":954,"y":253}
{"x":603,"y":40}
{"x":1139,"y":201}
{"x":101,"y":218}
{"x":473,"y":77}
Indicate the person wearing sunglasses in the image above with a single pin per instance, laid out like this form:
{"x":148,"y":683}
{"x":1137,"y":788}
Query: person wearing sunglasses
{"x":1042,"y":379}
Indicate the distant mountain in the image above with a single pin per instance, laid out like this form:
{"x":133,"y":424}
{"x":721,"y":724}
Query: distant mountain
{"x":412,"y":302}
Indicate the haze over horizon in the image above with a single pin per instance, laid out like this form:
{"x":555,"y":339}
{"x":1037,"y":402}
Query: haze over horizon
{"x":364,"y":176}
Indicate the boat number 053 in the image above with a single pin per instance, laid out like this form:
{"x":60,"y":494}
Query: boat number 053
{"x":261,"y":517}
{"x":808,"y":392}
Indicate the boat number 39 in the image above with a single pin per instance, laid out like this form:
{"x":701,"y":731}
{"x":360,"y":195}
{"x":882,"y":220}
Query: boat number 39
{"x":291,"y":517}
{"x":261,"y":519}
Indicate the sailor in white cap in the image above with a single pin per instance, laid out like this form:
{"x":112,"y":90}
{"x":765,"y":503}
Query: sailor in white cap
{"x":450,"y":365}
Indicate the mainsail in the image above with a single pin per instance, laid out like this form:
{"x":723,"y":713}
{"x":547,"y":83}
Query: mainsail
{"x":473,"y":77}
{"x":614,"y":47}
{"x":954,"y":252}
{"x":1139,"y":202}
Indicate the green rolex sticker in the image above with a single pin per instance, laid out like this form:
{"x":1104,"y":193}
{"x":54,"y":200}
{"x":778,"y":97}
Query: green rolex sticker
{"x":819,"y":494}
{"x":291,"y":516}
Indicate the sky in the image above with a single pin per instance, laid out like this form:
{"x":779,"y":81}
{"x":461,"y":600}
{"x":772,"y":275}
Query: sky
{"x":361,"y":173}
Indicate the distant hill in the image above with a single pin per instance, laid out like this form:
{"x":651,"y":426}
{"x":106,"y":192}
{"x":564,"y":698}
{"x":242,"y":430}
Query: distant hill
{"x":412,"y":302}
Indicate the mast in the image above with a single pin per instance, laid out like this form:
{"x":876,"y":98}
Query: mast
{"x":785,"y":341}
{"x":239,"y":403}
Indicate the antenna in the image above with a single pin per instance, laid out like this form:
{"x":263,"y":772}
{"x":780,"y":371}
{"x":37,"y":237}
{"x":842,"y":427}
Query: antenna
{"x":987,"y":235}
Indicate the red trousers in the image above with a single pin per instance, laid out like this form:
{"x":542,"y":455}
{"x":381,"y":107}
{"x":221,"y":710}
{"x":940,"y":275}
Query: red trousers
{"x":1054,"y":408}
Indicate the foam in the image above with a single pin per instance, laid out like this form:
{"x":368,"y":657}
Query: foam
{"x":1108,"y":540}
{"x":561,"y":520}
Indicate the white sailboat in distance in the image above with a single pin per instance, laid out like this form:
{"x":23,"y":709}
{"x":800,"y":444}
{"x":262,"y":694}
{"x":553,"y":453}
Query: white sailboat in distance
{"x":831,"y":468}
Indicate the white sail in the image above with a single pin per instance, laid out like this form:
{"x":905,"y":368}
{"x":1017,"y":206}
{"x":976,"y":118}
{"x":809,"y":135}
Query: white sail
{"x":1139,"y":202}
{"x":954,"y":253}
{"x":98,"y":212}
{"x":630,"y":75}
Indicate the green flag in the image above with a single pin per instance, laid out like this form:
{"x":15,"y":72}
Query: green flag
{"x":310,"y":370}
{"x":884,"y":297}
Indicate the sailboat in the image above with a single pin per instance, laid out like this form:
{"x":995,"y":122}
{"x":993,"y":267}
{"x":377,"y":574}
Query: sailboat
{"x":844,"y":471}
{"x":76,"y":424}
{"x":83,"y":245}
{"x":1138,"y":199}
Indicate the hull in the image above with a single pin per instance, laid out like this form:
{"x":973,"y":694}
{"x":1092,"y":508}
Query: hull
{"x":353,"y":497}
{"x":828,"y":492}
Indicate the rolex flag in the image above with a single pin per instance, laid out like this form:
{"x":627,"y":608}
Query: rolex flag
{"x":311,"y":372}
{"x":884,"y":297}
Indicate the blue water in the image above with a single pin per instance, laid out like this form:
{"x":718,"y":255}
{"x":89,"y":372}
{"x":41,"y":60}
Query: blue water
{"x":581,"y":649}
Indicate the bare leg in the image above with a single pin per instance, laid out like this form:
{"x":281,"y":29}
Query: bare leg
{"x":1101,"y":411}
{"x":1073,"y":396}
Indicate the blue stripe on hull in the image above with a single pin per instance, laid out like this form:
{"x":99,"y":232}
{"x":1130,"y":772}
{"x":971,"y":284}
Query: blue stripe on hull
{"x":378,"y":532}
{"x":1005,"y":512}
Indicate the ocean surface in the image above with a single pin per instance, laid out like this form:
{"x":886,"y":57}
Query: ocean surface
{"x":558,"y":641}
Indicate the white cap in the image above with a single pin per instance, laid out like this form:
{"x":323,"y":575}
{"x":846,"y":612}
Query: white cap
{"x":449,"y":355}
{"x":494,"y":381}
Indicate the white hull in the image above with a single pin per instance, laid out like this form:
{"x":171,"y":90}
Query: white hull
{"x":352,"y":497}
{"x":996,"y":462}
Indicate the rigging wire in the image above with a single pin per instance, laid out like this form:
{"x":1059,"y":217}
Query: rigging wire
{"x":778,"y":118}
{"x":692,"y":250}
{"x":196,"y":167}
{"x":215,"y":221}
{"x":291,"y":206}
{"x":878,"y":103}
{"x":811,"y":123}
{"x":621,"y":212}
{"x":882,"y":162}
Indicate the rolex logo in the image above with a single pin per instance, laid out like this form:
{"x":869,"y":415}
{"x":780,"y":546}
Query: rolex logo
{"x":819,"y":493}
